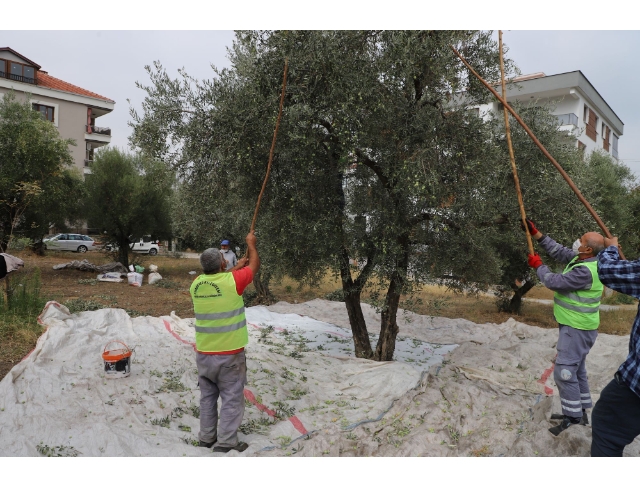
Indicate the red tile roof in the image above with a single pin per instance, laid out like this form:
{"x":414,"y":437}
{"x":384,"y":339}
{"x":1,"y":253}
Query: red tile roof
{"x":47,"y":81}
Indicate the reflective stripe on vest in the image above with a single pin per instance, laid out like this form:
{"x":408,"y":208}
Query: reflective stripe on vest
{"x":222,"y":329}
{"x":220,"y":316}
{"x":580,"y":309}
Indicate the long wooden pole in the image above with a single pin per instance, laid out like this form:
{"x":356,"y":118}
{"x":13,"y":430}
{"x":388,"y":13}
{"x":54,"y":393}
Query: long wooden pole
{"x":541,"y":147}
{"x":273,"y":145}
{"x":523,"y":214}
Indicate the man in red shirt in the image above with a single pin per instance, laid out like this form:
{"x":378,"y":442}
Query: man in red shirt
{"x":221,"y":335}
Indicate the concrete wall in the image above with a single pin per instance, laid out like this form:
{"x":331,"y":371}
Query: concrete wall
{"x":70,"y":119}
{"x":563,"y":105}
{"x":12,"y":57}
{"x":598,"y":144}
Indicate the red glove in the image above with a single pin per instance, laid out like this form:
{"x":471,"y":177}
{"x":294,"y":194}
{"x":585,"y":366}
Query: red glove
{"x":532,"y":227}
{"x":534,"y":261}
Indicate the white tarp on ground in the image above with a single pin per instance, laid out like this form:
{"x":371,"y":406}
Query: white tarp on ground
{"x":307,"y":395}
{"x":492,"y":396}
{"x":302,"y":377}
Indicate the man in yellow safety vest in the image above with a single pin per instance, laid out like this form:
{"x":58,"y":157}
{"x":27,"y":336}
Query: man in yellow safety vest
{"x":576,"y":308}
{"x":221,"y":335}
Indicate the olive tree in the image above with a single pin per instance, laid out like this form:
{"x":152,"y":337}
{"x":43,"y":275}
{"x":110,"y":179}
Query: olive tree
{"x":128,"y":195}
{"x":38,"y":185}
{"x":375,"y":162}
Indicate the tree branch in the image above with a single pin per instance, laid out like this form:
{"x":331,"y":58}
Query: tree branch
{"x":420,"y":218}
{"x":371,"y":164}
{"x":367,"y":269}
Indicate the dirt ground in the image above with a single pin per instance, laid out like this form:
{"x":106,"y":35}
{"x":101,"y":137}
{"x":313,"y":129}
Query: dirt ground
{"x":67,"y":284}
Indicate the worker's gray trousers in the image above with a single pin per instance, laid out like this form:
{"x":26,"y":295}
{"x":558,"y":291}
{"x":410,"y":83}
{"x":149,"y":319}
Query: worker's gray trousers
{"x":224,"y":377}
{"x":570,"y":372}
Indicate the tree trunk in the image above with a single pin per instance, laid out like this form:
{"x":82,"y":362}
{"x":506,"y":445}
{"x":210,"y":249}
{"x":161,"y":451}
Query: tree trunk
{"x":388,"y":322}
{"x":38,"y":248}
{"x":352,"y":291}
{"x":361,"y":340}
{"x":123,"y":252}
{"x":515,"y":305}
{"x":261,"y":283}
{"x":388,"y":319}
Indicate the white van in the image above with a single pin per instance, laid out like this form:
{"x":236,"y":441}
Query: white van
{"x":143,"y":246}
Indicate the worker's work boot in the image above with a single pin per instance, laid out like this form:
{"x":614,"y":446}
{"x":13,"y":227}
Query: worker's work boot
{"x":585,"y":418}
{"x":566,"y":422}
{"x":241,"y":446}
{"x":206,"y":445}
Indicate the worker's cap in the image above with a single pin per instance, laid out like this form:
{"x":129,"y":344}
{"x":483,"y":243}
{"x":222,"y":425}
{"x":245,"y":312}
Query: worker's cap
{"x":224,"y":242}
{"x":210,"y":260}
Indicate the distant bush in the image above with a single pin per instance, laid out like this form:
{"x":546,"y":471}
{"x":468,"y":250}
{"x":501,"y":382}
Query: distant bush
{"x":79,"y":305}
{"x":24,"y":293}
{"x":19,"y":243}
{"x":625,"y":299}
{"x":337,"y":295}
{"x":249,"y":297}
{"x":167,"y":284}
{"x":19,"y":328}
{"x":619,"y":298}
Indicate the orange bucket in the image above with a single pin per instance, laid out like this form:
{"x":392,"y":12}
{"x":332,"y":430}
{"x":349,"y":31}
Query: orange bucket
{"x":117,"y":360}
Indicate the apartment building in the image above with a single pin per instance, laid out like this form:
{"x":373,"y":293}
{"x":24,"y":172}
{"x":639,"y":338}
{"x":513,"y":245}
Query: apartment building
{"x":73,"y":110}
{"x":577,"y":104}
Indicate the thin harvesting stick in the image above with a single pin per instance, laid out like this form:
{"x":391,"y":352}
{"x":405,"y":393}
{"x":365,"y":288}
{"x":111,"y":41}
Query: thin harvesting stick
{"x":542,"y":148}
{"x":523,"y":215}
{"x":273,"y":146}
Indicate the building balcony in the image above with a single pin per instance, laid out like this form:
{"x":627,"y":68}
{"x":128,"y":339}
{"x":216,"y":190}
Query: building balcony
{"x":92,"y":129}
{"x":15,"y":77}
{"x":97,"y":139}
{"x":568,"y":119}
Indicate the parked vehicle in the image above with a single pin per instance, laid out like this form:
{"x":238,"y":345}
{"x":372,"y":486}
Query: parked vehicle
{"x":143,"y":246}
{"x":69,"y":241}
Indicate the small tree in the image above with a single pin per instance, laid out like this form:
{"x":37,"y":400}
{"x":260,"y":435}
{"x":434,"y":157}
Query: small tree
{"x":128,"y":195}
{"x":38,"y":186}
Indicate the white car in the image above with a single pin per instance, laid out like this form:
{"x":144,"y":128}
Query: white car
{"x":69,"y":241}
{"x":144,"y":246}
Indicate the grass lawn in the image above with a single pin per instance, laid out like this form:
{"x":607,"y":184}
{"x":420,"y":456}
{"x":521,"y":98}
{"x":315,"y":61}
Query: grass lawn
{"x":80,"y":291}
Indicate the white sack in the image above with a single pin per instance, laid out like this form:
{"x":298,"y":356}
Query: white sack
{"x":154,"y":277}
{"x":135,"y":279}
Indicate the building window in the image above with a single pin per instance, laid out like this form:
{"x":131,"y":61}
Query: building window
{"x":3,"y":69}
{"x":581,"y":146}
{"x":21,"y":72}
{"x":606,"y":137}
{"x":591,"y":122}
{"x":47,"y":112}
{"x":614,"y":148}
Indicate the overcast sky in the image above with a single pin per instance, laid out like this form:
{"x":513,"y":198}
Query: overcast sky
{"x":110,"y":62}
